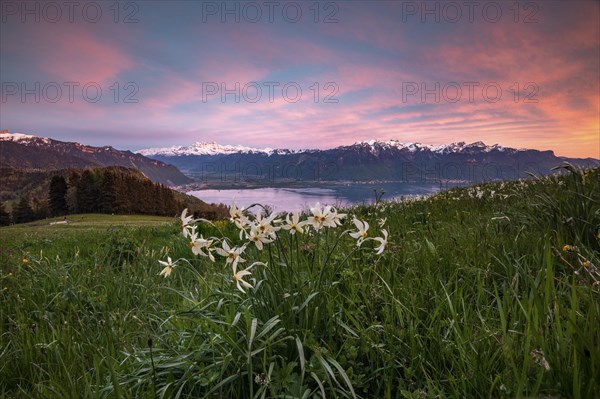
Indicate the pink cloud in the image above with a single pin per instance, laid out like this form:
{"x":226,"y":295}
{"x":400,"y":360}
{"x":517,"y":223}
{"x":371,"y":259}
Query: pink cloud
{"x":369,"y":54}
{"x":76,"y":54}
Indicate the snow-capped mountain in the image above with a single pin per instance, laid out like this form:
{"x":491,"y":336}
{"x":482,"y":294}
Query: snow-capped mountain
{"x":213,"y":148}
{"x":459,"y":147}
{"x":26,"y":151}
{"x":390,"y":160}
{"x":361,"y":161}
{"x":210,"y":148}
{"x":5,"y":136}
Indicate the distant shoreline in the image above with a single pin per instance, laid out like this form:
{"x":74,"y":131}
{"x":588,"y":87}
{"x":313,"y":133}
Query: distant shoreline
{"x":250,"y":184}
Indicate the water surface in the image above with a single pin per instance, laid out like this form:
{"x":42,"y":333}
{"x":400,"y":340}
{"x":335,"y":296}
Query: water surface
{"x":298,"y":199}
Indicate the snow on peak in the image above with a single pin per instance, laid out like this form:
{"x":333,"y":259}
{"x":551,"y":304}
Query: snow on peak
{"x":480,"y":144}
{"x":4,"y":135}
{"x":206,"y":148}
{"x":457,"y":147}
{"x":213,"y":148}
{"x":22,"y":138}
{"x":377,"y":144}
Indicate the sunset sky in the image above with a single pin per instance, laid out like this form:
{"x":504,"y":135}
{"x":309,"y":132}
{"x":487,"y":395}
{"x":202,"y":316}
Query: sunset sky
{"x":519,"y":74}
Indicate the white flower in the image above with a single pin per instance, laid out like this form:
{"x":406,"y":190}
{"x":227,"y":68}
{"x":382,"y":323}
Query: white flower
{"x":362,"y":233}
{"x":232,"y":254}
{"x":382,"y":242}
{"x":322,"y":217}
{"x":337,"y":217}
{"x":199,"y":245}
{"x":294,"y":225}
{"x":258,"y":238}
{"x":189,"y":230}
{"x":235,"y":212}
{"x":238,"y":218}
{"x":238,"y":276}
{"x":185,"y":222}
{"x":265,"y":225}
{"x":169,"y":265}
{"x":382,"y":222}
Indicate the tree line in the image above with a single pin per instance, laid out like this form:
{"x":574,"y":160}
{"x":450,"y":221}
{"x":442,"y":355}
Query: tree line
{"x":115,"y":190}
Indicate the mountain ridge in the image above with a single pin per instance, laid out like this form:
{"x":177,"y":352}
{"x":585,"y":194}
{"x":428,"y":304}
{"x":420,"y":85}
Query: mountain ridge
{"x":370,"y":160}
{"x":26,"y":151}
{"x":213,"y":148}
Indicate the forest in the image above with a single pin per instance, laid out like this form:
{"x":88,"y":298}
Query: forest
{"x":110,"y":190}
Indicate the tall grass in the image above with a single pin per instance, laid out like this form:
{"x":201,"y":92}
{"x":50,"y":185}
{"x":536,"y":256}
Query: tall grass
{"x":486,"y":291}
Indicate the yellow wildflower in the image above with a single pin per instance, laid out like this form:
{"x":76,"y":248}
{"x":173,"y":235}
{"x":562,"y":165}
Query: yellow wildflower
{"x":221,"y":224}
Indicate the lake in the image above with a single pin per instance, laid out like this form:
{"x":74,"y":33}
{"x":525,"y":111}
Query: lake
{"x":297,"y":199}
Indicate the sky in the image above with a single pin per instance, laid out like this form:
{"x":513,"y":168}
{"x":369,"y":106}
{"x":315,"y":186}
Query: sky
{"x":304,"y":74}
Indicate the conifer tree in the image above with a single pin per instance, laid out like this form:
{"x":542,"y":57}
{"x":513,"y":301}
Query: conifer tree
{"x":71,"y":196}
{"x":87,"y":193}
{"x":57,"y":196}
{"x":108,"y":192}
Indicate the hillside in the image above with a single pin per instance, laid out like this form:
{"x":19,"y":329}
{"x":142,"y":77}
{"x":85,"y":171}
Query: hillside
{"x":484,"y":291}
{"x":30,"y":152}
{"x":113,"y":189}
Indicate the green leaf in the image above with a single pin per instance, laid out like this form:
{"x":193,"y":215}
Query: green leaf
{"x":431,"y":248}
{"x":301,"y":354}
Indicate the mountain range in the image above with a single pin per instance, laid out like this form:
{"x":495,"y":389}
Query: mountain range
{"x":390,"y":160}
{"x":229,"y":165}
{"x":24,"y":151}
{"x":213,"y":148}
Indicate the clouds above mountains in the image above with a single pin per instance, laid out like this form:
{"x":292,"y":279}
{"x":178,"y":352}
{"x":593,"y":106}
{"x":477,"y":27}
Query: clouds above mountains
{"x":521,"y":76}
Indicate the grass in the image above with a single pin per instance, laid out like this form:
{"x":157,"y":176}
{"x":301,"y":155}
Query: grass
{"x":473,"y":297}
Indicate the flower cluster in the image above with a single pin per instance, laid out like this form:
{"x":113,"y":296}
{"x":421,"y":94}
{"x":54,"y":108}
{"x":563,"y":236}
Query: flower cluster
{"x":261,"y":230}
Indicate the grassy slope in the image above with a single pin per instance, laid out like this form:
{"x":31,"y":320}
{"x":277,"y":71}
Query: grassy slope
{"x":469,"y":301}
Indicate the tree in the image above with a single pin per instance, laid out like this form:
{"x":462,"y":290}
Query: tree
{"x":5,"y":218}
{"x":71,"y":196}
{"x":22,"y":212}
{"x":108,"y":192}
{"x":87,"y":193}
{"x":57,"y":196}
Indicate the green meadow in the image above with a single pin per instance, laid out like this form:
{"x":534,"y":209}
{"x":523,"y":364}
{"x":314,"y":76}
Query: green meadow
{"x":488,"y":291}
